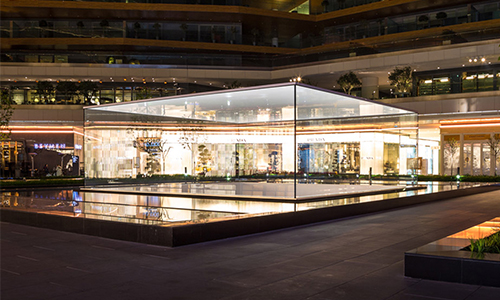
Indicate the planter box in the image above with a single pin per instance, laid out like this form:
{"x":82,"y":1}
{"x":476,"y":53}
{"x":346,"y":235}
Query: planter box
{"x":444,"y":260}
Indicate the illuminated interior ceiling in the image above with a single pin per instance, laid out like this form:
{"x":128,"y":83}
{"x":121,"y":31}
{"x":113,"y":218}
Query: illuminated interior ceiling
{"x":280,"y":98}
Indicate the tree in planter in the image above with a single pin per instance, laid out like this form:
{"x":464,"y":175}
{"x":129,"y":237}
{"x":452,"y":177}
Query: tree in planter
{"x":234,"y":31}
{"x":43,"y":28}
{"x":67,"y":89}
{"x":452,"y":147}
{"x":402,"y":79}
{"x":203,"y":159}
{"x":441,"y":16}
{"x":6,"y":111}
{"x":157,"y":28}
{"x":213,"y":33}
{"x":80,"y":26}
{"x":423,"y":21}
{"x":309,"y":82}
{"x":233,"y":85}
{"x":88,"y":89}
{"x":341,"y":4}
{"x":137,"y":28}
{"x":255,"y":34}
{"x":494,"y":143}
{"x":348,"y":81}
{"x":104,"y":25}
{"x":184,"y":29}
{"x":143,"y":93}
{"x":325,"y":6}
{"x":44,"y":90}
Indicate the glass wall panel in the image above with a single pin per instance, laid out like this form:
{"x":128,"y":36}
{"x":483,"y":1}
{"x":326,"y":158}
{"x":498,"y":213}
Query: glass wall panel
{"x":442,"y":85}
{"x":285,"y":133}
{"x":425,"y":86}
{"x":451,"y":154}
{"x":485,"y":81}
{"x":469,"y":82}
{"x":486,"y":159}
{"x":467,"y":159}
{"x":476,"y":159}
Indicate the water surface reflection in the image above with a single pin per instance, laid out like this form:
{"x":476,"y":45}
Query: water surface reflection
{"x":167,"y":210}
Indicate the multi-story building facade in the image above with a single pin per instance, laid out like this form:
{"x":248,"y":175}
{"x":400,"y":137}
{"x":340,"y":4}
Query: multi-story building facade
{"x":58,"y":56}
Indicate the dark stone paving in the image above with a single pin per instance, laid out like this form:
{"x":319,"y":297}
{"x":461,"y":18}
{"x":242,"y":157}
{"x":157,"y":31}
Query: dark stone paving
{"x":355,"y":258}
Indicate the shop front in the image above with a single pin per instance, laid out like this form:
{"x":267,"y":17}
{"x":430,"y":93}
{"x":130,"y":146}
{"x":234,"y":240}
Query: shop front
{"x":288,"y":131}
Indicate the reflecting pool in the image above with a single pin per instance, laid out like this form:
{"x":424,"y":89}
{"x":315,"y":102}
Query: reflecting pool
{"x":175,"y":210}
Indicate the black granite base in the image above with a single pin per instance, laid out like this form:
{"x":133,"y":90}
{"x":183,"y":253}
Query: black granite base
{"x":444,"y":260}
{"x":174,"y":235}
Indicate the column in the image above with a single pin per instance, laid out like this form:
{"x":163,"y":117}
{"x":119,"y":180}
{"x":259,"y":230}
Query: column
{"x":369,"y":88}
{"x":441,"y":156}
{"x":461,"y":155}
{"x":493,"y":162}
{"x":124,"y":28}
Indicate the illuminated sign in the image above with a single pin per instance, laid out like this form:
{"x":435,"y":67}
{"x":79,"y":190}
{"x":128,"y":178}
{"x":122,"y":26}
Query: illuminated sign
{"x":49,"y":146}
{"x":78,"y":147}
{"x":148,"y":144}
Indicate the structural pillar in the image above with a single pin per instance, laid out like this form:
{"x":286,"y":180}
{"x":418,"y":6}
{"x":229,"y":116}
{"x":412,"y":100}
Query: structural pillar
{"x":461,"y":155}
{"x":369,"y":88}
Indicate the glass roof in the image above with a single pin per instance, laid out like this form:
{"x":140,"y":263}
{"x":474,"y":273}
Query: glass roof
{"x":256,"y":104}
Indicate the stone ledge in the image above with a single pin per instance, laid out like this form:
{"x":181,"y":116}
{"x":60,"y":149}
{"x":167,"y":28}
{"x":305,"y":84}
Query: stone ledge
{"x":179,"y":235}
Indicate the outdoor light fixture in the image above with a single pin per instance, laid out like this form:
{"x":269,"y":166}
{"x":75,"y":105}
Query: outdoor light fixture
{"x":477,"y":59}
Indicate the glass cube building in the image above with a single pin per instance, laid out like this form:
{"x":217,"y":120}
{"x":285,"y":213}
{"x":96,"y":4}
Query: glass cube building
{"x":253,"y":142}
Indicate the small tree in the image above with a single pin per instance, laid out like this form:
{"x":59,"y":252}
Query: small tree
{"x":67,"y":88}
{"x":87,"y":89}
{"x":44,"y":90}
{"x":104,"y":25}
{"x":255,"y":33}
{"x":6,"y":111}
{"x":143,"y":93}
{"x":157,"y":28}
{"x":137,"y":28}
{"x":325,"y":6}
{"x":494,"y":143}
{"x":233,"y":30}
{"x":452,"y":148}
{"x":184,"y":29}
{"x":348,"y":81}
{"x":402,"y":79}
{"x":441,"y":16}
{"x":203,"y":158}
{"x":80,"y":25}
{"x":233,"y":85}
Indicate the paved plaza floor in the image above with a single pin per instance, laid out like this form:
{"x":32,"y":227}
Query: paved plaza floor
{"x":354,"y":258}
